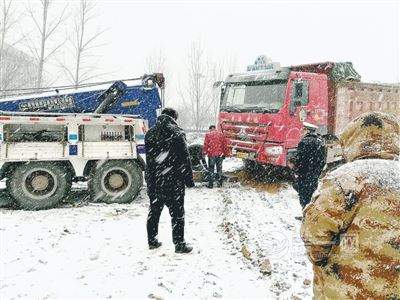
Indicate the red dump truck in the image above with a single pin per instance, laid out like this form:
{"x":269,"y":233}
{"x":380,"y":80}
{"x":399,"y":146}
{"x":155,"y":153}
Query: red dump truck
{"x":262,"y":110}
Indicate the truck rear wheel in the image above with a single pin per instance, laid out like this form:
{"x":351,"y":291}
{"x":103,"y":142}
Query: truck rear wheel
{"x":39,"y":185}
{"x":115,"y":181}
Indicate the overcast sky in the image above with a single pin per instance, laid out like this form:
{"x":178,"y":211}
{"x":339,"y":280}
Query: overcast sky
{"x":291,"y":32}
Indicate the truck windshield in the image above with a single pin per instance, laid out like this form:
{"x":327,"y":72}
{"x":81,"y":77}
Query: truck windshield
{"x":254,"y":96}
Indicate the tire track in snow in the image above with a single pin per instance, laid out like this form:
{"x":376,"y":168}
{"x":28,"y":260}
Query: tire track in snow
{"x":261,"y":230}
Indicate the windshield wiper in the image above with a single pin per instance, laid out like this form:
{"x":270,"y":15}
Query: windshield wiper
{"x":230,"y":109}
{"x":270,"y":110}
{"x":261,"y":109}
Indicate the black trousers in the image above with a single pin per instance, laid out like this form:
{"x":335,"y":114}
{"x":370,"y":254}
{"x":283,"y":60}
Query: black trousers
{"x":212,"y":163}
{"x":305,"y":187}
{"x":175,"y":203}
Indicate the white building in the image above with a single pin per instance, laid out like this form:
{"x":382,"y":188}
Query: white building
{"x":17,"y":70}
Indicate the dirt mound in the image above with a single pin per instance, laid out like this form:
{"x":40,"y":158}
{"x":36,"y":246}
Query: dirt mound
{"x":262,"y":182}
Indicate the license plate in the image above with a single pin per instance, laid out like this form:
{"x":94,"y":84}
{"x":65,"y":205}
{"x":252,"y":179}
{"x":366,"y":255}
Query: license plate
{"x":242,"y":155}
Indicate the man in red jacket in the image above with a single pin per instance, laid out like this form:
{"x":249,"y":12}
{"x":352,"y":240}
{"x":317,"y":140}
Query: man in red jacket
{"x":215,"y":148}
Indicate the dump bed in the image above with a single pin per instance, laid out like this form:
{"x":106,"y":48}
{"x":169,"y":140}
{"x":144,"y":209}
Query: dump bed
{"x":349,"y":99}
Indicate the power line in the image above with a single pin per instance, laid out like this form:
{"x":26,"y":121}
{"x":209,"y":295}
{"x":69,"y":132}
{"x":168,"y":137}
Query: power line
{"x":61,"y":87}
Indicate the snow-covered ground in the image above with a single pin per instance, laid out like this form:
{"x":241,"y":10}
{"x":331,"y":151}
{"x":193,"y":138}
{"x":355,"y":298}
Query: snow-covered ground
{"x":246,"y":245}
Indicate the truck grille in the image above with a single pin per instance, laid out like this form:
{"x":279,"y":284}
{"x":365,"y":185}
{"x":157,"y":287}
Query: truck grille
{"x":250,"y":133}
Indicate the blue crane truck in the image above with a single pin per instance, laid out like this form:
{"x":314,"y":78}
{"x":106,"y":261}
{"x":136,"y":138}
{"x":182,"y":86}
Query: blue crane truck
{"x":138,"y":96}
{"x":95,"y":133}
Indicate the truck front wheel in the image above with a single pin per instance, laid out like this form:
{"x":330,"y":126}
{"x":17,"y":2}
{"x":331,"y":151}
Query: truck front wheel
{"x":115,"y":181}
{"x":39,"y":185}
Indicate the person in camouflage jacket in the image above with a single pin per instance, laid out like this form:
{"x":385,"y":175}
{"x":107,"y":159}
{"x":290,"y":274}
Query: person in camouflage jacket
{"x":351,"y":228}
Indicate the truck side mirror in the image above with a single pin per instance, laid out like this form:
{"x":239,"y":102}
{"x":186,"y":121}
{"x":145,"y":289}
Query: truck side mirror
{"x":223,"y":89}
{"x":297,"y":103}
{"x":217,"y":84}
{"x":294,"y":104}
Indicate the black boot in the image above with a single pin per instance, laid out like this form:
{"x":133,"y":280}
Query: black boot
{"x":154,"y":244}
{"x":183,"y":248}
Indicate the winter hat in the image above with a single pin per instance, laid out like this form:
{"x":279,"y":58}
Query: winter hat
{"x":373,"y":134}
{"x":170,"y":112}
{"x":310,"y":126}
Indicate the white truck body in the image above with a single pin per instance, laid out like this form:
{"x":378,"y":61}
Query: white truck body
{"x":79,"y":143}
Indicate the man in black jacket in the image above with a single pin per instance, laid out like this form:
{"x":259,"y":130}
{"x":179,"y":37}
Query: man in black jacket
{"x":308,"y":163}
{"x":168,"y":170}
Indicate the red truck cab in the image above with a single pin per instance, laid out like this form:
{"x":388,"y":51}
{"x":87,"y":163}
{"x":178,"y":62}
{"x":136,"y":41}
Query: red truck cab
{"x":261,"y":112}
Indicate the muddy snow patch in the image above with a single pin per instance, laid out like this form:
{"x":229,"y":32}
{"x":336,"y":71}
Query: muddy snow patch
{"x":262,"y":232}
{"x":246,"y":245}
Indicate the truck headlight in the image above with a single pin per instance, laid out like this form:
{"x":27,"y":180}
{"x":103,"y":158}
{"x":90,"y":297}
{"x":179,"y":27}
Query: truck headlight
{"x":275,"y":150}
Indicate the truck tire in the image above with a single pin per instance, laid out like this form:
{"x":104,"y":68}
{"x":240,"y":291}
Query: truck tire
{"x":39,"y":185}
{"x":250,"y":165}
{"x":266,"y":172}
{"x":115,"y":181}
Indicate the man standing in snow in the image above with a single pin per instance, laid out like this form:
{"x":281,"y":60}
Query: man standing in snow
{"x":168,"y":170}
{"x":215,"y":148}
{"x":351,"y":228}
{"x":308,"y":163}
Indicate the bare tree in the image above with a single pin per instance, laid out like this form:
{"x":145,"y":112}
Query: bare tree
{"x":155,"y":62}
{"x":200,"y":101}
{"x":218,"y":74}
{"x":195,"y":96}
{"x":47,"y":28}
{"x":81,"y":43}
{"x":230,"y":64}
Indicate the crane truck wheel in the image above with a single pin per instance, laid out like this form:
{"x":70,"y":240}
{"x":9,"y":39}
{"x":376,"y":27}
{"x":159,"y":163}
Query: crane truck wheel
{"x":39,"y":185}
{"x":115,"y":181}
